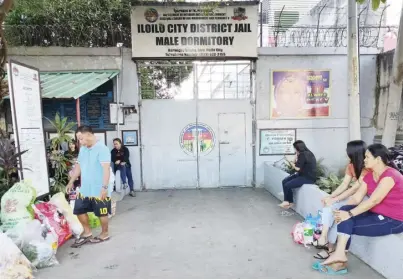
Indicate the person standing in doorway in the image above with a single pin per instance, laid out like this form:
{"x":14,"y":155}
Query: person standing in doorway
{"x":94,"y":167}
{"x":305,"y":167}
{"x":120,"y":158}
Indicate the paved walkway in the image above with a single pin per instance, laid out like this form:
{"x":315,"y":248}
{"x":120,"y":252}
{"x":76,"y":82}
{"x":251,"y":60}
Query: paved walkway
{"x":229,"y":233}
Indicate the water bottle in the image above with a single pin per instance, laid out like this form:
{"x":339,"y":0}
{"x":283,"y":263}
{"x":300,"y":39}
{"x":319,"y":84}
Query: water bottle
{"x":308,"y":233}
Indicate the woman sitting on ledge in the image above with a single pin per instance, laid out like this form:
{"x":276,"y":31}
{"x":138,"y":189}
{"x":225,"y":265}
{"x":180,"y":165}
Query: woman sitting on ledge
{"x":381,"y":214}
{"x":305,"y":165}
{"x":355,"y":169}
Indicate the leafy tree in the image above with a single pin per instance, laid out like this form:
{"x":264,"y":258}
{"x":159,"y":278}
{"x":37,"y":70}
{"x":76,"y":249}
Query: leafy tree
{"x":5,"y":7}
{"x":89,"y":23}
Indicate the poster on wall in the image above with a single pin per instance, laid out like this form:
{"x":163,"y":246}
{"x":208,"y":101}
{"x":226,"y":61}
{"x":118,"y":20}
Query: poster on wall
{"x":188,"y":30}
{"x":299,"y":94}
{"x":26,"y":108}
{"x":277,"y":142}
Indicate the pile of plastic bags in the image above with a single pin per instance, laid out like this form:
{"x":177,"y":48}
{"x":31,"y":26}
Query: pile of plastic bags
{"x":33,"y":232}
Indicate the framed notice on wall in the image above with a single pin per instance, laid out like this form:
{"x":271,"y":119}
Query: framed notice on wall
{"x":26,"y":107}
{"x":277,"y":142}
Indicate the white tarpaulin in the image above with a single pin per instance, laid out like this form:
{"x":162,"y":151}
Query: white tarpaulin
{"x":193,"y":31}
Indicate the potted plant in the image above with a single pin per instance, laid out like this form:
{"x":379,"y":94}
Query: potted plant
{"x":58,"y":161}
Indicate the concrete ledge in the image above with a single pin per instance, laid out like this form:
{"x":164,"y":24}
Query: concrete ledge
{"x":384,"y":254}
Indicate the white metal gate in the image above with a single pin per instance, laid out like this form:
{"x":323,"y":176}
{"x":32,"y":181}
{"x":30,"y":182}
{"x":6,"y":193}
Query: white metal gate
{"x":196,"y":128}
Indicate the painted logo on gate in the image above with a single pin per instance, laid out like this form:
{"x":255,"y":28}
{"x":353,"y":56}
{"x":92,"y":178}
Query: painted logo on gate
{"x":194,"y":137}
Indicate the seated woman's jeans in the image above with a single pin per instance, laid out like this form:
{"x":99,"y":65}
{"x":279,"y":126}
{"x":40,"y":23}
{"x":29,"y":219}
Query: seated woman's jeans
{"x":328,"y":219}
{"x":368,"y":224}
{"x":293,"y":182}
{"x":125,"y":172}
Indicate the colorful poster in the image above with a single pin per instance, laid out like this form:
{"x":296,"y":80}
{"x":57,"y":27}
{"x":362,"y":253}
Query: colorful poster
{"x":298,"y":94}
{"x":197,"y":139}
{"x":277,"y":142}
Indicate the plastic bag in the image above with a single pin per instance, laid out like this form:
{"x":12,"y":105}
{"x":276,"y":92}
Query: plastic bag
{"x":49,"y":215}
{"x":16,"y":205}
{"x":39,"y":245}
{"x":59,"y":200}
{"x":13,"y":263}
{"x":297,"y":233}
{"x":93,"y":220}
{"x":16,"y":234}
{"x":316,"y":222}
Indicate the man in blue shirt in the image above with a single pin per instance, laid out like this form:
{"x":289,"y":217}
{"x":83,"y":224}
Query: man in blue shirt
{"x":93,"y":165}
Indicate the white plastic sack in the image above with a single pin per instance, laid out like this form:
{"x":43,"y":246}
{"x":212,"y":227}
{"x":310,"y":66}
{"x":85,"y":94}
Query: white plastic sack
{"x":16,"y":234}
{"x":39,"y":246}
{"x":13,"y":263}
{"x":59,"y":200}
{"x":16,"y":205}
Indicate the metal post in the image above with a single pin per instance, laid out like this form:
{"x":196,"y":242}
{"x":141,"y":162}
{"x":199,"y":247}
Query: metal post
{"x":119,"y":92}
{"x":252,"y":81}
{"x":354,"y":116}
{"x":143,"y":187}
{"x":78,"y":112}
{"x":196,"y":95}
{"x":261,"y":24}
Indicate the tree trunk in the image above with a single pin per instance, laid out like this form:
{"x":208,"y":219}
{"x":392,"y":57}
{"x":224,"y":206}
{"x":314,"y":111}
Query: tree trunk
{"x":395,"y":92}
{"x":4,"y":9}
{"x":354,"y":116}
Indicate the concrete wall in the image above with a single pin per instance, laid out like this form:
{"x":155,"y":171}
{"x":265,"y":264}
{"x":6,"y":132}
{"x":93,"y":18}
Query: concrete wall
{"x":79,"y":59}
{"x":326,"y":137}
{"x":384,"y":72}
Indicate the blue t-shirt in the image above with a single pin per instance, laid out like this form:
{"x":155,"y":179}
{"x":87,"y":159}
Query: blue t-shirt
{"x":90,"y":160}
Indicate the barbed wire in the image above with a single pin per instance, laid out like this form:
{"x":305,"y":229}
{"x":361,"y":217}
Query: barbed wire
{"x":111,"y":36}
{"x":68,"y":35}
{"x":313,"y":36}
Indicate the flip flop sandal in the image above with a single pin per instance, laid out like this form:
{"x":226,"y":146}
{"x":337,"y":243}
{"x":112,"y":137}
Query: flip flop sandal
{"x":320,"y":247}
{"x":319,"y":256}
{"x":81,"y":241}
{"x":327,"y":269}
{"x":99,"y":239}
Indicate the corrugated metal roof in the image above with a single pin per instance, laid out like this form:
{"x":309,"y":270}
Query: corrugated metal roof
{"x":66,"y":85}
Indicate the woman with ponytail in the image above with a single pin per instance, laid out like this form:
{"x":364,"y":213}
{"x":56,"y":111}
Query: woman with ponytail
{"x":381,"y":214}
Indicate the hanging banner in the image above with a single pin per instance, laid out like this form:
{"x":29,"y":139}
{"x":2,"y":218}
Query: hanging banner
{"x":277,"y":142}
{"x":26,"y":107}
{"x":298,"y":94}
{"x":190,"y":31}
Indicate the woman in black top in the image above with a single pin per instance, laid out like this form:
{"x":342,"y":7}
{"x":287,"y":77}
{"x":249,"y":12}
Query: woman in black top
{"x":120,"y":159}
{"x":305,"y":167}
{"x":72,"y":152}
{"x":72,"y":155}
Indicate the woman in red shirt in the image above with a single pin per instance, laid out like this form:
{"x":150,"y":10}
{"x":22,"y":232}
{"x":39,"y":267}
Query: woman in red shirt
{"x":381,"y":214}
